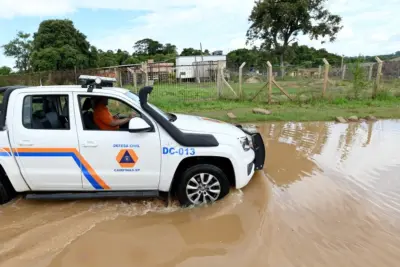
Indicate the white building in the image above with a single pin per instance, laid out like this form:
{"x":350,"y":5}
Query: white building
{"x":201,"y":67}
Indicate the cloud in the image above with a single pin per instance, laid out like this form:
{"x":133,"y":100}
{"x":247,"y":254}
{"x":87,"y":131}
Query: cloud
{"x":395,"y":38}
{"x":219,"y":24}
{"x":15,"y":8}
{"x":368,"y":27}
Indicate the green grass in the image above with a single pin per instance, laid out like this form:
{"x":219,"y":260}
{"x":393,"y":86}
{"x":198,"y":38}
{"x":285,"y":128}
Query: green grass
{"x":307,"y":105}
{"x":313,"y":111}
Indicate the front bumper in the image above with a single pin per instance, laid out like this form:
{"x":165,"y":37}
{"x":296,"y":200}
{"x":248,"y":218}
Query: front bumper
{"x":259,"y":151}
{"x":258,"y":147}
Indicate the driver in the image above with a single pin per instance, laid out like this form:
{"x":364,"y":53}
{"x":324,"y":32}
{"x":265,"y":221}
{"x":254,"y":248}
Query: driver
{"x":103,"y":118}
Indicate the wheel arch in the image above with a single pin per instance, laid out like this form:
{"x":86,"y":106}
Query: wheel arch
{"x":223,"y":163}
{"x":5,"y":180}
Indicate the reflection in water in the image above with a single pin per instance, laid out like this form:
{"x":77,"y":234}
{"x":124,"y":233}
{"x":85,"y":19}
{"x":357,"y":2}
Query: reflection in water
{"x":329,"y":196}
{"x":289,"y":148}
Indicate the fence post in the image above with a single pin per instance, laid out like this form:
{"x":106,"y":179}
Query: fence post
{"x":325,"y":76}
{"x":120,"y":78}
{"x":76,"y":77}
{"x":344,"y":71}
{"x":319,"y":71}
{"x":219,"y":78}
{"x":269,"y":82}
{"x":378,"y":76}
{"x":341,"y":64}
{"x":240,"y":79}
{"x":146,"y":75}
{"x":370,"y":72}
{"x":134,"y":80}
{"x":132,"y":71}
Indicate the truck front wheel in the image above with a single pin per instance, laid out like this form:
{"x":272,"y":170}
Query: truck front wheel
{"x":202,"y":183}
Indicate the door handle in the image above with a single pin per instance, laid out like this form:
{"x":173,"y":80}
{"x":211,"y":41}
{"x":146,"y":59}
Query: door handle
{"x":90,"y":144}
{"x":25,"y":143}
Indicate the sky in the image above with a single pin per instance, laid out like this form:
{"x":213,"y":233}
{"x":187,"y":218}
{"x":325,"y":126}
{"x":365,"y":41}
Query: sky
{"x":370,"y":27}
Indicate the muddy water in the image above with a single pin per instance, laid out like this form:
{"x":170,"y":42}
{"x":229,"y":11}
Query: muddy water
{"x":329,"y":196}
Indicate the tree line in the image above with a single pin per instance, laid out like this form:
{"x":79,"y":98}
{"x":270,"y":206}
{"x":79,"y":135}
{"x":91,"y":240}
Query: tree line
{"x":58,"y":45}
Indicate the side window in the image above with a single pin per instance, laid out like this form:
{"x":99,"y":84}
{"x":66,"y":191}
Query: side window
{"x":48,"y":112}
{"x":116,"y":106}
{"x":117,"y":110}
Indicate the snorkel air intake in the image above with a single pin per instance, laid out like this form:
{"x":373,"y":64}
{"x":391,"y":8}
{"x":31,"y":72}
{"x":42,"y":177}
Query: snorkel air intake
{"x":184,"y":139}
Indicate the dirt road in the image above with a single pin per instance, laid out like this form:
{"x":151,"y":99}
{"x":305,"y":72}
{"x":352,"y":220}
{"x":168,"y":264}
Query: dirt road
{"x":329,"y":196}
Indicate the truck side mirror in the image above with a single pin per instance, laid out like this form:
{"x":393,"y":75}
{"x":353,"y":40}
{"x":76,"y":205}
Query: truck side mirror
{"x":137,"y":125}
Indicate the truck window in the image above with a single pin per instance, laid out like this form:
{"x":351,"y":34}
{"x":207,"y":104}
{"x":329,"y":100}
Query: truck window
{"x":115,"y":106}
{"x":48,"y":112}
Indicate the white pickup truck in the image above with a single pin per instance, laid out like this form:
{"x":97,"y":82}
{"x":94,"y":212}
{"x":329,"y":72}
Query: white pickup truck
{"x":51,"y":148}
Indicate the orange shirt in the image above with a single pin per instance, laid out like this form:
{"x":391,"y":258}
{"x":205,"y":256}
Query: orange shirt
{"x":102,"y":117}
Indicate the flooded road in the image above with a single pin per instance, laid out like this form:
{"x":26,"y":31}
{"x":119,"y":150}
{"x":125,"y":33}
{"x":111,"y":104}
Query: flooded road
{"x":329,"y":196}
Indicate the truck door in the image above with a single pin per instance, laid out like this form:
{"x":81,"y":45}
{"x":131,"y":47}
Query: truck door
{"x":117,"y":159}
{"x":44,"y":140}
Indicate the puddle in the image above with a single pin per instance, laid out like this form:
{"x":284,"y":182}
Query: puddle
{"x":329,"y":196}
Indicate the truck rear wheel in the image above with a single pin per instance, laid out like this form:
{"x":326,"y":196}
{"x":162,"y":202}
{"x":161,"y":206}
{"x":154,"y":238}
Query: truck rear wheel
{"x":201,"y":184}
{"x":6,"y":193}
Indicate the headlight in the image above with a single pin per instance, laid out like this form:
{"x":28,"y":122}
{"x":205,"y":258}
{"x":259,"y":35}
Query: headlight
{"x":246,"y":143}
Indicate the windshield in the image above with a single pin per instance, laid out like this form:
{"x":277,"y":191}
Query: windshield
{"x":135,"y":98}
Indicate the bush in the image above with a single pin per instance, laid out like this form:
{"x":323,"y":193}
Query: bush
{"x":359,"y":80}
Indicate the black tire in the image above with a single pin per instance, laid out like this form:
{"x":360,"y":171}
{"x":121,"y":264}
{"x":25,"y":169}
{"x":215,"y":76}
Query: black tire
{"x":7,"y":193}
{"x":216,"y":172}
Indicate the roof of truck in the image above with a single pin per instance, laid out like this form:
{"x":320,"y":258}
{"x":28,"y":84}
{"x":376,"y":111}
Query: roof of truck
{"x":70,"y":88}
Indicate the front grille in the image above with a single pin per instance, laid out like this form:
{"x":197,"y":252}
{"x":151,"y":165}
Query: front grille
{"x":249,"y":168}
{"x":258,"y":147}
{"x":259,"y":150}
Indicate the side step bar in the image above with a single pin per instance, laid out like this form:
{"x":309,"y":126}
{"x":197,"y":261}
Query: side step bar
{"x":92,"y":195}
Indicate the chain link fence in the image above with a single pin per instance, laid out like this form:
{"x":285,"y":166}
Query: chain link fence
{"x":302,"y":84}
{"x":211,"y":80}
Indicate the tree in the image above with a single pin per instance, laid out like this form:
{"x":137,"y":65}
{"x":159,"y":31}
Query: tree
{"x":298,"y":55}
{"x":169,"y":49}
{"x":190,"y":52}
{"x":302,"y":55}
{"x":5,"y":70}
{"x":237,"y":57}
{"x":20,"y":48}
{"x":58,"y":45}
{"x":148,"y":47}
{"x":255,"y":58}
{"x":121,"y":57}
{"x":94,"y":57}
{"x":278,"y":22}
{"x":106,"y":59}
